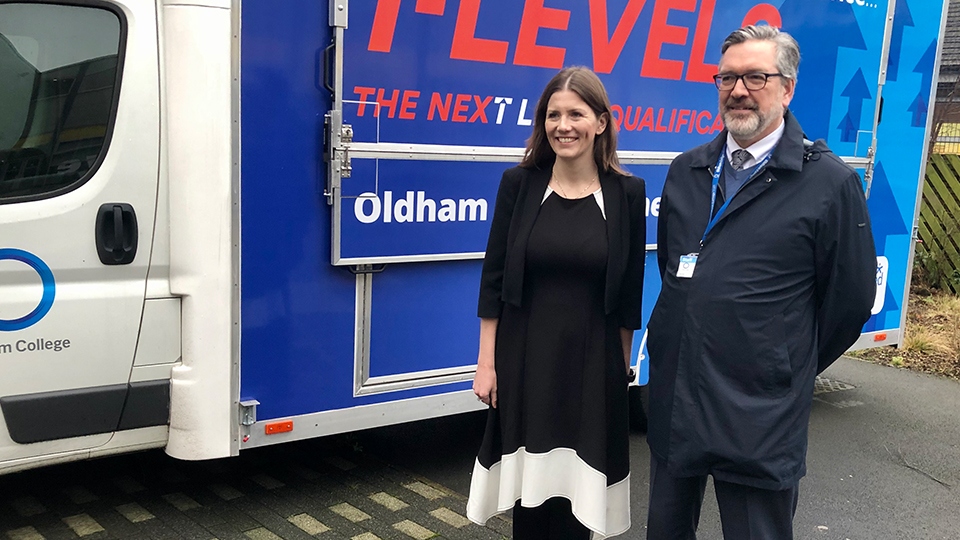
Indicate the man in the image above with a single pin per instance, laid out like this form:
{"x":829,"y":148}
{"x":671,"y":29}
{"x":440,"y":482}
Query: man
{"x":768,"y":270}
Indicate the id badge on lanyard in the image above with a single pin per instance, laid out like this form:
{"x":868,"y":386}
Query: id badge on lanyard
{"x":688,"y":262}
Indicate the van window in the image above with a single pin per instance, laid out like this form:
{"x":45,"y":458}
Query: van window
{"x":59,"y":67}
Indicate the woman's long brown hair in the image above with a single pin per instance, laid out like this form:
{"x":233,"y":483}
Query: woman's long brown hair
{"x":587,"y":85}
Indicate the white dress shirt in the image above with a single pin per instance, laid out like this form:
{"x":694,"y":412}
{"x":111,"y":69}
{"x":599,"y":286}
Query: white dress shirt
{"x":758,"y":150}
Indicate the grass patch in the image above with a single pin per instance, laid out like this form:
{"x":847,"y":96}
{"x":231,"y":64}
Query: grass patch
{"x":931,"y":339}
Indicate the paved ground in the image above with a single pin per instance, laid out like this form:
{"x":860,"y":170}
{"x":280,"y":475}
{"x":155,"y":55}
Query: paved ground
{"x":325,"y":489}
{"x":884,"y":464}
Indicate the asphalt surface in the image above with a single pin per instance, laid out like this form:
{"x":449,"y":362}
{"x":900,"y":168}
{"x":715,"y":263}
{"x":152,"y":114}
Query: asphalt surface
{"x":883,"y":464}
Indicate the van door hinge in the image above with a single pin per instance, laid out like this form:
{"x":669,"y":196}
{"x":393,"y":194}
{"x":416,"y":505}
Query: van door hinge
{"x":366,"y":268}
{"x":248,"y":412}
{"x":338,"y":138}
{"x":868,"y":171}
{"x":338,"y":13}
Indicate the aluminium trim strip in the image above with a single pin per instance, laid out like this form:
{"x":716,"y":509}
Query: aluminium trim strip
{"x":363,"y":383}
{"x":430,"y":373}
{"x":923,"y":173}
{"x":417,"y":379}
{"x":855,"y":162}
{"x":331,"y":422}
{"x":433,"y":257}
{"x":878,"y":98}
{"x":441,"y":152}
{"x":361,"y":327}
{"x":873,"y":339}
{"x":336,"y":108}
{"x":235,"y":335}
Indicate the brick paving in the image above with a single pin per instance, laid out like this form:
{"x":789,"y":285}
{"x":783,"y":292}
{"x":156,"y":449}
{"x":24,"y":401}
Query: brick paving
{"x":317,"y":489}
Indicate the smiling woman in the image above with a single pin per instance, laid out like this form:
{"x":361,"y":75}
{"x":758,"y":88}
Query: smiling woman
{"x":571,"y":128}
{"x":559,"y":301}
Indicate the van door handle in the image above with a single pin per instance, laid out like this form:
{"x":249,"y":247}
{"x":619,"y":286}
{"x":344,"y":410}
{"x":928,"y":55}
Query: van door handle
{"x":116,"y":233}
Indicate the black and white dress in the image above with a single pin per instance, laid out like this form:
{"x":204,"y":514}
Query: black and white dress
{"x":560,"y":429}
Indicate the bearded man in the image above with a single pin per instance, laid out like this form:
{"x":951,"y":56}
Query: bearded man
{"x":768,"y":269}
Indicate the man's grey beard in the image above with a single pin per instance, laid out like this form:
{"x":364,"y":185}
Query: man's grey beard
{"x":751,"y":126}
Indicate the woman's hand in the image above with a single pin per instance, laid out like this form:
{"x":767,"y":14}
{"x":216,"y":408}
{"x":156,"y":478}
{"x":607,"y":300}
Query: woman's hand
{"x":485,"y":381}
{"x":485,"y":385}
{"x":626,"y":340}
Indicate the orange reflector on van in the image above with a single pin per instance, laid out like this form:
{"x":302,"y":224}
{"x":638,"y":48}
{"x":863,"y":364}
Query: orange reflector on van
{"x":880,"y":337}
{"x":278,"y":427}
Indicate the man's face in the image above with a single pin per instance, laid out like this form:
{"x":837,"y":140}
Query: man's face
{"x":751,"y":115}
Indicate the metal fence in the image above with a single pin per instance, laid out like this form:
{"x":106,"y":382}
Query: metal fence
{"x":947,"y":140}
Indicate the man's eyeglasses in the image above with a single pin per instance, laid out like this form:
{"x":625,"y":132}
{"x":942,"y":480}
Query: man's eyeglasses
{"x":752,"y":81}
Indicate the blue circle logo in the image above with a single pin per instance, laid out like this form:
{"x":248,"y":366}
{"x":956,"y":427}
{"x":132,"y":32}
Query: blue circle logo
{"x":49,"y":289}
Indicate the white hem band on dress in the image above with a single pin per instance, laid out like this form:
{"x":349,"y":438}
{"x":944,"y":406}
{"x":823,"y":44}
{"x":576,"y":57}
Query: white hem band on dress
{"x":534,"y":478}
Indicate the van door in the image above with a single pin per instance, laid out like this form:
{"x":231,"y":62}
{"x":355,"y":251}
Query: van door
{"x":79,"y":147}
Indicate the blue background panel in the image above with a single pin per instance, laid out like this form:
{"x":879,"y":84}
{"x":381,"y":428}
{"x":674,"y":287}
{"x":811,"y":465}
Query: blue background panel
{"x":418,"y":190}
{"x":902,"y":136}
{"x":656,"y":63}
{"x":424,"y":317}
{"x":298,"y":316}
{"x":653,"y":179}
{"x":406,"y":64}
{"x":438,"y":180}
{"x":651,"y":288}
{"x":297,"y":310}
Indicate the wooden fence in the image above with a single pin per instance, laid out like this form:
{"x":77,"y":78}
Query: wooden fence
{"x":939,"y":229}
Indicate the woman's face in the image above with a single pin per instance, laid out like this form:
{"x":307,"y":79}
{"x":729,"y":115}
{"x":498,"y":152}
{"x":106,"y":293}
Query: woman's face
{"x":572,"y":126}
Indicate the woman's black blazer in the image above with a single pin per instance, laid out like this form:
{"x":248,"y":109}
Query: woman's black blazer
{"x":518,"y":202}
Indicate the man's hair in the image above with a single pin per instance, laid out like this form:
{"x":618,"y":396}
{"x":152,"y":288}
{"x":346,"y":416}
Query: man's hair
{"x":585,"y":83}
{"x":788,"y":51}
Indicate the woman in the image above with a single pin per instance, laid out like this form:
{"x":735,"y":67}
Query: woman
{"x":559,"y":300}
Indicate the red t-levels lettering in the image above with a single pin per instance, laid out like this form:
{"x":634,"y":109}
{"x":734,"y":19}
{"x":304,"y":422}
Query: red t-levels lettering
{"x":704,"y":115}
{"x":466,"y":46}
{"x":606,"y":52}
{"x":363,"y":96}
{"x":460,"y":106}
{"x":390,"y":104}
{"x":763,"y":12}
{"x":431,"y":7}
{"x":440,"y":106}
{"x":407,"y":103}
{"x":662,"y":33}
{"x":481,"y":112}
{"x":385,"y":21}
{"x":697,"y":70}
{"x":535,"y":17}
{"x":384,"y":24}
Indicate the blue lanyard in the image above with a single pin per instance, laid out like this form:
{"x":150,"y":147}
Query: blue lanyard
{"x":714,"y":219}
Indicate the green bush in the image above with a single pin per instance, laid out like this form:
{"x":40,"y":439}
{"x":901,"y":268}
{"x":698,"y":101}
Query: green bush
{"x":932,"y":270}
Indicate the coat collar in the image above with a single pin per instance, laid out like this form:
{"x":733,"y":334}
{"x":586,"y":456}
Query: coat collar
{"x":788,"y":153}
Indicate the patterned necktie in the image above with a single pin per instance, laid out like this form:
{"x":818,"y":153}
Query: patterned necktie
{"x":738,"y":158}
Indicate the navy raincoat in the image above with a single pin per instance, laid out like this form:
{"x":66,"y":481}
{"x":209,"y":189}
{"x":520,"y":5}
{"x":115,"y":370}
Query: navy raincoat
{"x":782,"y":287}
